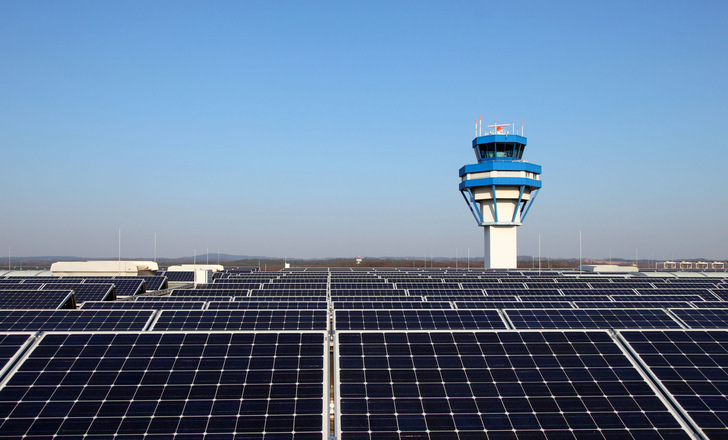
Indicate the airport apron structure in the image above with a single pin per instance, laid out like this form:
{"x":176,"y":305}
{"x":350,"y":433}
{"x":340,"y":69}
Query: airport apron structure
{"x":500,"y":190}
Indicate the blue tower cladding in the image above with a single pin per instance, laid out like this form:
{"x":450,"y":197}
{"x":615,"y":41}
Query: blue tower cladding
{"x":499,"y":191}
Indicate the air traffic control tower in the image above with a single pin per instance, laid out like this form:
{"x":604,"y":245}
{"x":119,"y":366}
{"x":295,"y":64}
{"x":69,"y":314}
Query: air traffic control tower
{"x":499,"y":190}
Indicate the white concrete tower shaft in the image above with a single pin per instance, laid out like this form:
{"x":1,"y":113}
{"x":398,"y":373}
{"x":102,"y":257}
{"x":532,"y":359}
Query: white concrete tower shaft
{"x":499,"y":190}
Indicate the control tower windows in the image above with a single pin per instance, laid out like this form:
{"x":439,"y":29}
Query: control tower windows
{"x":504,"y":150}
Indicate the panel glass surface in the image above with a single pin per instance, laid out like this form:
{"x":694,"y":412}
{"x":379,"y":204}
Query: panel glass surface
{"x":589,"y":318}
{"x":194,"y":385}
{"x":417,"y":319}
{"x":493,"y":385}
{"x":692,"y":366}
{"x":222,"y":319}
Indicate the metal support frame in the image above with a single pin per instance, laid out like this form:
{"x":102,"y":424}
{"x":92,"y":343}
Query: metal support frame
{"x":495,"y":204}
{"x":530,"y":203}
{"x":518,"y":203}
{"x":474,"y":209}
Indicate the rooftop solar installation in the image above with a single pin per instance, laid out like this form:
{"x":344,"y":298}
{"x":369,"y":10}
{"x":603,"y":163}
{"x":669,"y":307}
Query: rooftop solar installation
{"x":702,"y":318}
{"x":475,"y":319}
{"x":221,"y":286}
{"x":494,"y":385}
{"x":37,"y":299}
{"x":269,"y":305}
{"x":271,"y":385}
{"x":225,"y":319}
{"x":343,"y":305}
{"x":512,"y":304}
{"x":74,"y":320}
{"x":154,"y":305}
{"x":590,"y":318}
{"x":692,"y":367}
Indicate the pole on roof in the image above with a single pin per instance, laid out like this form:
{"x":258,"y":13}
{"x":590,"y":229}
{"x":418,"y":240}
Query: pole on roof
{"x":119,"y":251}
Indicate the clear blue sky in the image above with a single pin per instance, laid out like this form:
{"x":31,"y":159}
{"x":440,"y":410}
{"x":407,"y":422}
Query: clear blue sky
{"x":314,"y":129}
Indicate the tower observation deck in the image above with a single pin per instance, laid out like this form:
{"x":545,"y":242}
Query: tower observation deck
{"x":500,"y":190}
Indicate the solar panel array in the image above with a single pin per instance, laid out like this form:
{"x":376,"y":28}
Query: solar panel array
{"x":436,"y":353}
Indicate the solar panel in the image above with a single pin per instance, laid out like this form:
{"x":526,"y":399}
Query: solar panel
{"x":659,"y":297}
{"x":288,"y":292}
{"x":710,"y":304}
{"x":229,"y":285}
{"x":417,"y":319}
{"x":528,"y":292}
{"x":512,"y":304}
{"x":37,"y":299}
{"x":269,"y":305}
{"x":446,"y":292}
{"x":11,"y":346}
{"x":375,"y":298}
{"x":494,"y":385}
{"x":24,"y":286}
{"x":564,"y":298}
{"x":599,"y":291}
{"x":630,"y":304}
{"x":367,"y":292}
{"x":155,"y":305}
{"x":86,"y":292}
{"x":316,"y":298}
{"x":486,"y":298}
{"x":702,"y":318}
{"x":196,"y":298}
{"x":74,"y":320}
{"x":180,"y":277}
{"x":222,"y":319}
{"x":692,"y":367}
{"x":209,"y":292}
{"x":125,"y":286}
{"x":391,"y":305}
{"x":589,"y":318}
{"x":155,"y":282}
{"x":268,"y":385}
{"x":294,"y":286}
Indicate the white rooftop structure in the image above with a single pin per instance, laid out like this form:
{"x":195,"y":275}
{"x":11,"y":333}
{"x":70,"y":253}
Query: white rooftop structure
{"x":104,"y":268}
